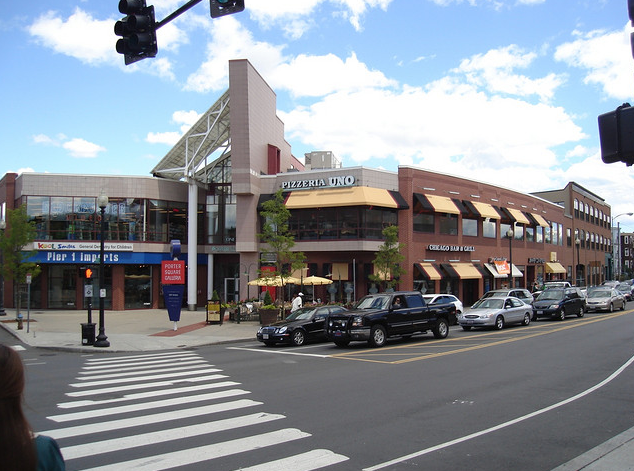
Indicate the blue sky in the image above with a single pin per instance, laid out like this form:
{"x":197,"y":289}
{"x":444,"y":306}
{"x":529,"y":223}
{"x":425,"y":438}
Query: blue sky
{"x":502,"y":91}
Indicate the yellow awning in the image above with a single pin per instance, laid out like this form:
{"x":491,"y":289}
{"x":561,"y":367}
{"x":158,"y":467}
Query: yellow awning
{"x":519,"y":216}
{"x":466,"y":271}
{"x":349,"y":196}
{"x":442,"y":204}
{"x":554,"y":267}
{"x":430,"y":271}
{"x":339,"y":272}
{"x":540,"y":220}
{"x":486,"y":210}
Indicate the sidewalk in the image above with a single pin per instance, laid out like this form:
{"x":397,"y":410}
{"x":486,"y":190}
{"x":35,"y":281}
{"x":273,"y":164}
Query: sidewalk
{"x":127,"y":331}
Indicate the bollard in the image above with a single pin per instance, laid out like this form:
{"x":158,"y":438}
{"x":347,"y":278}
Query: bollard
{"x":20,"y":320}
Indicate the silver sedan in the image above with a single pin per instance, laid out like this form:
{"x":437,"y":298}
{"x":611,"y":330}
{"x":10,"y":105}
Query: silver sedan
{"x":604,"y":299}
{"x":496,"y":313}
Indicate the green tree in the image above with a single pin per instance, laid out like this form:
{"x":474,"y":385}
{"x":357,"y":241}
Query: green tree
{"x":19,"y":233}
{"x":278,"y":240}
{"x":388,"y":260}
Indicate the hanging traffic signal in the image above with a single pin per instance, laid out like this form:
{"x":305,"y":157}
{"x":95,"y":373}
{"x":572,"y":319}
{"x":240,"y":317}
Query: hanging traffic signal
{"x":225,"y":7}
{"x":616,"y":133}
{"x":138,"y":31}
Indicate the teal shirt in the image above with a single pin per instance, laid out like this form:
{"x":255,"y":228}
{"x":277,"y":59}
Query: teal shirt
{"x":49,"y":456}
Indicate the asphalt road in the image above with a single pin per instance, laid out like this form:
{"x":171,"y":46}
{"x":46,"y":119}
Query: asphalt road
{"x":524,"y":398}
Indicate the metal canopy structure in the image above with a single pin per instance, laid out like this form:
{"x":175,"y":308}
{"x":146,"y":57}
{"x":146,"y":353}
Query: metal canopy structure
{"x":208,"y":141}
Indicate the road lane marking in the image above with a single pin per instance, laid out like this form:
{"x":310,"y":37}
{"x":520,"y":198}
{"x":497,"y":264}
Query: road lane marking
{"x":308,"y":461}
{"x":504,"y":424}
{"x":279,"y":352}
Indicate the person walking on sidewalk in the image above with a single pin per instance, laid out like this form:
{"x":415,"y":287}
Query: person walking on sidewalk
{"x":20,"y":449}
{"x":297,"y":302}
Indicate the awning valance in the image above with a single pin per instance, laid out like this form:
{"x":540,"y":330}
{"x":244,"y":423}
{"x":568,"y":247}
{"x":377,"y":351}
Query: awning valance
{"x":466,"y":271}
{"x":429,"y":271}
{"x":494,"y":272}
{"x":501,"y":269}
{"x":486,"y":210}
{"x":518,"y":216}
{"x":554,"y":267}
{"x":442,"y":204}
{"x":540,"y":220}
{"x":349,"y":196}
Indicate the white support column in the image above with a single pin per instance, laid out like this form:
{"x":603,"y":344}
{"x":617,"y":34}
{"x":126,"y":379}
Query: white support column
{"x":192,"y":245}
{"x":210,"y":276}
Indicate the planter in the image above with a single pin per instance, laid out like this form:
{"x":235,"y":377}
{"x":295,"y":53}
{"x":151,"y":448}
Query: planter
{"x":268,"y":316}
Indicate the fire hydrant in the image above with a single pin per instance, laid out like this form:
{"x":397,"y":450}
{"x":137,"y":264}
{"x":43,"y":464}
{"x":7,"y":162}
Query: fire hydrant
{"x":20,"y":321}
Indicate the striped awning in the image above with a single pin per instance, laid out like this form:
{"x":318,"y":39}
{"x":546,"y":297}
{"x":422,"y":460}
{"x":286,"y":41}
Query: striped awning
{"x":442,"y":204}
{"x":486,"y":210}
{"x":518,"y":216}
{"x":466,"y":271}
{"x":540,"y":220}
{"x":554,"y":267}
{"x":349,"y":196}
{"x":428,"y":270}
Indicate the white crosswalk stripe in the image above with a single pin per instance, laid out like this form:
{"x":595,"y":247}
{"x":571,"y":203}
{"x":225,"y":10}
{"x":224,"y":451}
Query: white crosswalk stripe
{"x":123,"y":409}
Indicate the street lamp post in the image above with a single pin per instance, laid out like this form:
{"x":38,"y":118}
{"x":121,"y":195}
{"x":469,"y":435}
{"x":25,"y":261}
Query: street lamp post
{"x":616,"y":246}
{"x":509,"y":234}
{"x":3,"y":226}
{"x":577,"y":271}
{"x":102,"y":339}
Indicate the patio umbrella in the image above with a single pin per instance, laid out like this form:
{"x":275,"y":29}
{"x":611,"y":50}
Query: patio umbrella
{"x":274,"y":281}
{"x":316,"y":280}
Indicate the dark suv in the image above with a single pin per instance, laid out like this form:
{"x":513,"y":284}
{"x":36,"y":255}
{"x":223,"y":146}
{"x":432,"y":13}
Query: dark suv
{"x":559,"y":303}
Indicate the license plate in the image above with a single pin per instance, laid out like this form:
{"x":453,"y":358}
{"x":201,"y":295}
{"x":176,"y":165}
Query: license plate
{"x":265,"y":336}
{"x":469,"y":322}
{"x":338,"y":333}
{"x":540,"y":312}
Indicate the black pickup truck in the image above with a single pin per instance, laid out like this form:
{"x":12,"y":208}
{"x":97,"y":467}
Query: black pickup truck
{"x":379,"y":316}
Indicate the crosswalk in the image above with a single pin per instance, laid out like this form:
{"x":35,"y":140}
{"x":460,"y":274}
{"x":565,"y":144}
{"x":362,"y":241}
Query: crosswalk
{"x":170,"y":410}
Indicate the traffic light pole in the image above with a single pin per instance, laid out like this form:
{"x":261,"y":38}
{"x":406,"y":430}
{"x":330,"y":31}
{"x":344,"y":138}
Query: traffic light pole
{"x":176,"y":13}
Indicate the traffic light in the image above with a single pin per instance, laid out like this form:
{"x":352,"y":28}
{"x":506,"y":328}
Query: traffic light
{"x":225,"y":7}
{"x":138,"y":31}
{"x":616,"y":133}
{"x":88,"y":273}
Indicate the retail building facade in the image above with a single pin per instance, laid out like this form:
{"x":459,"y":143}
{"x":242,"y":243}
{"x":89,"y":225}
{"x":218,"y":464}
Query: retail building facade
{"x":208,"y":190}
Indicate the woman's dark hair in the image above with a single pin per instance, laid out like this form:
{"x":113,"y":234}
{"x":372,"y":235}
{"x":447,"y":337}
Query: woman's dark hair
{"x":17,"y":446}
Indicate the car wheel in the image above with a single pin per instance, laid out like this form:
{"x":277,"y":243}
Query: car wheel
{"x":623,"y":306}
{"x":298,"y":338}
{"x":466,"y":327}
{"x":499,"y":323}
{"x":377,"y":336}
{"x":611,"y":307}
{"x":441,"y":330}
{"x":581,"y":312}
{"x":562,"y":314}
{"x":527,"y":319}
{"x":342,"y":343}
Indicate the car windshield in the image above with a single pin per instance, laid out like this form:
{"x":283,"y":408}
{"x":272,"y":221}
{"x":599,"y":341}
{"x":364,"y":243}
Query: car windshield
{"x":599,"y":293}
{"x":489,"y":303}
{"x":550,"y":294}
{"x":374,"y":302}
{"x":624,"y":287}
{"x":301,"y":314}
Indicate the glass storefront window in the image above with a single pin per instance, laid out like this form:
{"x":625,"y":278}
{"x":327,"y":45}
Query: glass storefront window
{"x":62,"y":221}
{"x":530,"y":234}
{"x":138,"y":286}
{"x":37,"y":211}
{"x":157,"y":231}
{"x":62,"y":286}
{"x":489,"y":229}
{"x":448,"y":224}
{"x":84,"y":210}
{"x":470,"y":227}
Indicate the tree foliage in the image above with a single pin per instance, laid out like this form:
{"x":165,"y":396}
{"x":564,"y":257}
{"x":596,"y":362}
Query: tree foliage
{"x":388,"y":260}
{"x":19,"y":233}
{"x":278,"y":240}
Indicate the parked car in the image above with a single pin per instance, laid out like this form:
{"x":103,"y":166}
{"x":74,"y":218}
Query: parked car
{"x":303,"y":325}
{"x":604,"y":298}
{"x":519,"y":293}
{"x":559,"y":303}
{"x":496,"y":312}
{"x":379,"y":316}
{"x":626,"y":290}
{"x":443,"y":299}
{"x":556,"y":284}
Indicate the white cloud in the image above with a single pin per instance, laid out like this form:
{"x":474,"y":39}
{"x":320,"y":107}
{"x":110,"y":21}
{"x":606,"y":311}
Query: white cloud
{"x":81,"y":36}
{"x":186,"y":119}
{"x":82,"y":148}
{"x":606,"y":57}
{"x":169,"y":138}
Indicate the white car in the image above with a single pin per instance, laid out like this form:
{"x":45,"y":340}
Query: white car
{"x":445,"y":298}
{"x":496,"y":312}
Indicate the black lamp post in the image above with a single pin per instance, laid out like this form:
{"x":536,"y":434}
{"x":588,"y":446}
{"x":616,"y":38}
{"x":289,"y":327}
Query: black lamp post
{"x":102,"y":340}
{"x":509,"y":234}
{"x":577,"y":271}
{"x":3,"y":226}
